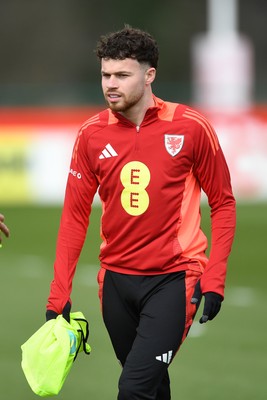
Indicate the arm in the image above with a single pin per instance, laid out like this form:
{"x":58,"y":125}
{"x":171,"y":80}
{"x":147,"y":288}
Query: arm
{"x":212,"y":172}
{"x":80,"y":191}
{"x":223,"y":221}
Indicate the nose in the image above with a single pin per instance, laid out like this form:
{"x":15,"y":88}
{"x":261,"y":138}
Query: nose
{"x":112,"y":82}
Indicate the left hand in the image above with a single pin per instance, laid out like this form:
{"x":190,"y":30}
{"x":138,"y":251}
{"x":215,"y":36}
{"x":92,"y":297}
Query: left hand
{"x":212,"y":304}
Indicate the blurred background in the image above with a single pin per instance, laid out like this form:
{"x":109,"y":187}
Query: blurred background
{"x":212,"y":57}
{"x":47,"y":47}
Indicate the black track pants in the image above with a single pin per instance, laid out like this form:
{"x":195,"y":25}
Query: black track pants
{"x":147,"y":318}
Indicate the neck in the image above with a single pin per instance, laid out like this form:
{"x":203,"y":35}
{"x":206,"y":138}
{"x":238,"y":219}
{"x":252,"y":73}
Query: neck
{"x":137,"y":113}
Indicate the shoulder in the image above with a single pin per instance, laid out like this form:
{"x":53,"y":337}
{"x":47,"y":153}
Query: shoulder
{"x":193,"y":121}
{"x":195,"y":116}
{"x":201,"y":125}
{"x":196,"y":120}
{"x":183,"y":111}
{"x":95,"y":123}
{"x":171,"y":111}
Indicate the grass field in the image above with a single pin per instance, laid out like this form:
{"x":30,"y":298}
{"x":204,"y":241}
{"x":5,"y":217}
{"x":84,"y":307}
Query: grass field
{"x":225,"y":359}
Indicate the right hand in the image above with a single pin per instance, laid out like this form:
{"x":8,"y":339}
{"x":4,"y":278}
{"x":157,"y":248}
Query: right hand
{"x":51,"y":314}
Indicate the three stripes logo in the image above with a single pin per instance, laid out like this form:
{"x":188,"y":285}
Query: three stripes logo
{"x":108,"y":152}
{"x":165,"y":357}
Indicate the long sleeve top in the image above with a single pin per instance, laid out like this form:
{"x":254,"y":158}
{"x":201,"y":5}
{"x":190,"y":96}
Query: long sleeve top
{"x":149,"y":179}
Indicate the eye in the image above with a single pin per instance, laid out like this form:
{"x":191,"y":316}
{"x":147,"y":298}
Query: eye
{"x":122,"y":75}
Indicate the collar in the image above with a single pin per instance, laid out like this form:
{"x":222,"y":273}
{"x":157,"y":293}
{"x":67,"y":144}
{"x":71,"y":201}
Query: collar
{"x":150,"y":115}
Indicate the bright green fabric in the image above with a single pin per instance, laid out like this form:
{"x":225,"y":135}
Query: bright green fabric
{"x":48,"y":355}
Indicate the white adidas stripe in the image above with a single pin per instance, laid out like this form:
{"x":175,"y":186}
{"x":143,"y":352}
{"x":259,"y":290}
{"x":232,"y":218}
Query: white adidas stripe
{"x":111,"y":150}
{"x":165,"y":357}
{"x":108,"y":152}
{"x":105,"y":154}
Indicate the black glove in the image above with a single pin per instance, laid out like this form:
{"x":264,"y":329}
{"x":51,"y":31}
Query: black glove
{"x":212,"y":304}
{"x":51,"y":314}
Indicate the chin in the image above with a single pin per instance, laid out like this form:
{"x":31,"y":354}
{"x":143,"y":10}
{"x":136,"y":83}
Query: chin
{"x":115,"y":107}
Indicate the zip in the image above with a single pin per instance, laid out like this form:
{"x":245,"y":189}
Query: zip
{"x":137,"y":128}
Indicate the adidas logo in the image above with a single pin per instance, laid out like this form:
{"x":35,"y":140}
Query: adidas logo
{"x":108,"y":152}
{"x":165,"y":357}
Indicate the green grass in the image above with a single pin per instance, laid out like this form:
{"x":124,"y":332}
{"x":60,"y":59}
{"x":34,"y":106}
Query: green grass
{"x":226,"y":358}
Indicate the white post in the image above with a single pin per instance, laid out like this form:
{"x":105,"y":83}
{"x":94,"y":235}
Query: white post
{"x":222,"y":16}
{"x":222,"y":61}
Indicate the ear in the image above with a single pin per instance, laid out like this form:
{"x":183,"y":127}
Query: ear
{"x":150,"y":75}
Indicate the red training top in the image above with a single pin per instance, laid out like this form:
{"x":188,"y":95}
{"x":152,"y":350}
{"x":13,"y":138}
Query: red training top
{"x":149,"y":179}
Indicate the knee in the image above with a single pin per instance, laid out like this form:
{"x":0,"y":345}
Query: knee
{"x":125,"y":394}
{"x":128,"y":392}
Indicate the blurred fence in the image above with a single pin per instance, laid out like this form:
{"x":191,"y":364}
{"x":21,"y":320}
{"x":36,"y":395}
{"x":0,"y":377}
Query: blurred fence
{"x":36,"y":146}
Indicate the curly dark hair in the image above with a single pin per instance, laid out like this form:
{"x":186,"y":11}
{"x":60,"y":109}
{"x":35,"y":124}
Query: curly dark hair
{"x":129,"y":43}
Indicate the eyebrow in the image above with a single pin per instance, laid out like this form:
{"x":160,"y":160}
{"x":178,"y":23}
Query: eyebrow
{"x":115,"y":73}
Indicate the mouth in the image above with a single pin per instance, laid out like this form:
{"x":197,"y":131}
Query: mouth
{"x":113,"y":97}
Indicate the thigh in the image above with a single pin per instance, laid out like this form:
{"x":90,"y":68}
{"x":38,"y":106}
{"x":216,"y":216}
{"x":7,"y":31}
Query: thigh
{"x":120,"y":313}
{"x":162,"y":318}
{"x":158,"y":337}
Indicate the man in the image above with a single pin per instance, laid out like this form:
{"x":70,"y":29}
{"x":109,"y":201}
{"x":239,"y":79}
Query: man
{"x":3,"y":228}
{"x":149,"y":159}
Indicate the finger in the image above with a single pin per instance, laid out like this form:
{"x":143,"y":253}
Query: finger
{"x":50,"y":314}
{"x":204,"y":319}
{"x":206,"y":311}
{"x":3,"y":227}
{"x":214,"y":311}
{"x":207,"y":308}
{"x":197,"y":294}
{"x":66,"y":311}
{"x":194,"y":300}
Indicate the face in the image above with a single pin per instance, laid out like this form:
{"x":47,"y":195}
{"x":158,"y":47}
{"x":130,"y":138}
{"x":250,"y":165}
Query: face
{"x":124,"y":83}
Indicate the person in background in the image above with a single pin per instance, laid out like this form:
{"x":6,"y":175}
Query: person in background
{"x":3,"y":228}
{"x":149,"y":159}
